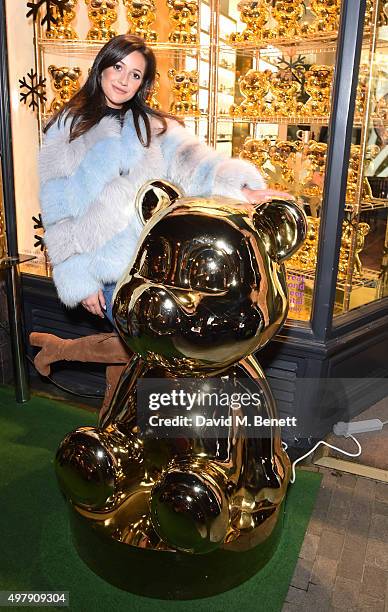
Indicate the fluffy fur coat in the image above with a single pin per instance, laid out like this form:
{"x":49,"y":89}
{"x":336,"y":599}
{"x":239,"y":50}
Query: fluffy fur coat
{"x":88,"y":188}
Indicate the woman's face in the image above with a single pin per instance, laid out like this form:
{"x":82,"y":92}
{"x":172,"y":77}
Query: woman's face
{"x":121,"y":81}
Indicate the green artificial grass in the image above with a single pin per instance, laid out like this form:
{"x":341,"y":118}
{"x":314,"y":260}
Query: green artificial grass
{"x":37,"y":553}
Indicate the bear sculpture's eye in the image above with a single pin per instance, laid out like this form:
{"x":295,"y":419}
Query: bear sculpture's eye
{"x":156,"y":263}
{"x":209,"y":270}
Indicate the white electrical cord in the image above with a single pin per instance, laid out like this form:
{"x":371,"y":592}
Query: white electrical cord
{"x":340,"y":450}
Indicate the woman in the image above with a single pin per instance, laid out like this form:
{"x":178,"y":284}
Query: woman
{"x":98,"y":151}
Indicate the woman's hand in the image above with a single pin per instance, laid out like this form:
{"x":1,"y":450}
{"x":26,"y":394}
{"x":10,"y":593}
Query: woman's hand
{"x":257,"y":196}
{"x":95,"y":303}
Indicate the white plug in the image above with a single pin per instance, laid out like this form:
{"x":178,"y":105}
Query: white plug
{"x":347,"y":429}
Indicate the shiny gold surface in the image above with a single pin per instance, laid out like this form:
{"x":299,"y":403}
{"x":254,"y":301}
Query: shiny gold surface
{"x":102,"y":14}
{"x":63,"y":28}
{"x":254,"y":85}
{"x":183,"y":14}
{"x":352,"y":243}
{"x":306,"y":257}
{"x":184,"y":269}
{"x":255,"y":14}
{"x":285,"y":90}
{"x":152,"y":100}
{"x":141,"y":15}
{"x":297,"y":166}
{"x":354,"y":174}
{"x":184,"y":85}
{"x":154,"y":196}
{"x":65,"y":82}
{"x":206,"y":289}
{"x":257,"y":152}
{"x":318,"y":85}
{"x":326,"y":13}
{"x":288,"y":14}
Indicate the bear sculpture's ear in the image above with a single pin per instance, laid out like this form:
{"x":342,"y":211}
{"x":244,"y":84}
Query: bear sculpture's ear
{"x":153,"y":196}
{"x":286,"y":224}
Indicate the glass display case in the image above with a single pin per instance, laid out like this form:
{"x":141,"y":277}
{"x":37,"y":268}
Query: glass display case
{"x":298,"y":87}
{"x":254,"y":79}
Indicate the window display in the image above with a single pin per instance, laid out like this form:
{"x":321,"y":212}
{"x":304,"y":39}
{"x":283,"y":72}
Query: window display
{"x":254,"y":79}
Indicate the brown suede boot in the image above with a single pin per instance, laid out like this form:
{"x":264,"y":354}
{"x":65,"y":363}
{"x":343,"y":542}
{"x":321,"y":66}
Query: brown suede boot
{"x":98,"y":348}
{"x":112,"y":375}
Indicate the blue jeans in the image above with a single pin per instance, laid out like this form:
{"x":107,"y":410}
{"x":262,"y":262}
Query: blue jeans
{"x":108,"y":291}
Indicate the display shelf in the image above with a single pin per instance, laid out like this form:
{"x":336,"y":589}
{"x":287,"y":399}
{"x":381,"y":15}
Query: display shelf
{"x":372,"y":204}
{"x":369,"y":278}
{"x":299,"y":119}
{"x":8,"y":262}
{"x":93,"y":46}
{"x":320,"y":42}
{"x":316,"y":44}
{"x":36,"y":265}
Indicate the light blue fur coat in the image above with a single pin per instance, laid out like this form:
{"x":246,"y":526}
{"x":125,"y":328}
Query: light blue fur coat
{"x":88,"y":188}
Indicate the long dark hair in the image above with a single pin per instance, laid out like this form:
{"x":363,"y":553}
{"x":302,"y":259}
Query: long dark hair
{"x":87,"y":107}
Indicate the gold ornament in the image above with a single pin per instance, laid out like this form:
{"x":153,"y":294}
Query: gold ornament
{"x":207,"y":287}
{"x":315,"y":155}
{"x":352,"y":241}
{"x":141,"y":14}
{"x":369,"y":12}
{"x":285,"y":90}
{"x":184,"y":16}
{"x":353,"y":176}
{"x":254,"y":85}
{"x":184,"y":87}
{"x":63,"y":29}
{"x":381,"y":108}
{"x":65,"y":82}
{"x":257,"y":152}
{"x":326,"y":13}
{"x":152,"y":101}
{"x":282,"y":156}
{"x":383,"y":14}
{"x":102,"y":14}
{"x":306,"y":257}
{"x":318,"y":83}
{"x":362,"y":89}
{"x":254,"y":13}
{"x":288,"y":14}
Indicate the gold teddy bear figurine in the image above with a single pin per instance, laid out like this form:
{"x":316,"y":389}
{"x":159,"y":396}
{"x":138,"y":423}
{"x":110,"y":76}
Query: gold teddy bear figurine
{"x":63,"y":29}
{"x":255,"y":14}
{"x":318,"y":85}
{"x":257,"y":152}
{"x":288,"y":14}
{"x":353,"y":175}
{"x":254,"y":85}
{"x":65,"y":82}
{"x":306,"y":257}
{"x":141,"y":14}
{"x":326,"y":14}
{"x":184,"y":87}
{"x":102,"y":13}
{"x":315,"y":156}
{"x":353,"y":238}
{"x":184,"y":16}
{"x":282,"y":156}
{"x":285,"y":90}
